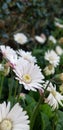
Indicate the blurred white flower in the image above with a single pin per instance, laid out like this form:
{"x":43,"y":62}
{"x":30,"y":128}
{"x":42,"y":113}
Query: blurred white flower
{"x":27,"y":56}
{"x":9,"y":54}
{"x":54,"y":98}
{"x":52,"y":39}
{"x":20,"y":38}
{"x":57,"y":24}
{"x":14,"y":119}
{"x":59,"y":50}
{"x":49,"y":70}
{"x":41,"y":39}
{"x":52,"y":57}
{"x":29,"y":75}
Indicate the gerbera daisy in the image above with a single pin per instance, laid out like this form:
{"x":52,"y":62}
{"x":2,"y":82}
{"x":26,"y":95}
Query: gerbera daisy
{"x":52,"y":39}
{"x":14,"y":119}
{"x":9,"y":54}
{"x":59,"y":50}
{"x":54,"y":98}
{"x":27,"y":56}
{"x":41,"y":39}
{"x":48,"y":70}
{"x":52,"y":57}
{"x":29,"y":75}
{"x":20,"y":38}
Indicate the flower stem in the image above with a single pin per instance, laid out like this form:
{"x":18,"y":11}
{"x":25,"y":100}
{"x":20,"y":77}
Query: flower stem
{"x":34,"y":115}
{"x":1,"y":86}
{"x":16,"y":88}
{"x":19,"y":91}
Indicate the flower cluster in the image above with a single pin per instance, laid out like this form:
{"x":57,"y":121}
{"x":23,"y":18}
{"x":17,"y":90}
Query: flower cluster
{"x":28,"y":77}
{"x":23,"y":64}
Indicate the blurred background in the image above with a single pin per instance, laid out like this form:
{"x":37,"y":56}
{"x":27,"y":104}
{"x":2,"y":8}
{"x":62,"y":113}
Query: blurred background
{"x":31,"y":17}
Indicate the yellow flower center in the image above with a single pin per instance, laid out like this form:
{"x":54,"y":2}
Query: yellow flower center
{"x":6,"y":125}
{"x":50,"y":67}
{"x":51,"y":58}
{"x":19,"y":39}
{"x":27,"y":78}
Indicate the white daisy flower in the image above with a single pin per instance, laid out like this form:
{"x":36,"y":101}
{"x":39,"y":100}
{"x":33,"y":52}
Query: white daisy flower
{"x":49,"y":70}
{"x":20,"y":38}
{"x":27,"y":56}
{"x":52,"y":57}
{"x":59,"y":50}
{"x":29,"y":75}
{"x":9,"y":54}
{"x":41,"y":39}
{"x":54,"y":98}
{"x":14,"y":119}
{"x":52,"y":39}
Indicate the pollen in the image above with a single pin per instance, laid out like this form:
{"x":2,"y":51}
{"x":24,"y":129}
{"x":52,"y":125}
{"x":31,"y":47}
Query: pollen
{"x":6,"y":125}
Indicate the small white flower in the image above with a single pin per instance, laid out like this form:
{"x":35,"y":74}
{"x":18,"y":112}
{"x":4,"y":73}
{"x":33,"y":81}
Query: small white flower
{"x":41,"y":39}
{"x":20,"y":38}
{"x":29,"y":75}
{"x":54,"y":98}
{"x":9,"y":54}
{"x":52,"y":39}
{"x":59,"y":50}
{"x":52,"y":57}
{"x":49,"y":70}
{"x":57,"y":24}
{"x":27,"y":56}
{"x":14,"y":119}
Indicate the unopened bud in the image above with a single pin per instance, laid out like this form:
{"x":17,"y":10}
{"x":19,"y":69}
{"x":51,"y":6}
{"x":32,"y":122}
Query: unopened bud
{"x":59,"y":78}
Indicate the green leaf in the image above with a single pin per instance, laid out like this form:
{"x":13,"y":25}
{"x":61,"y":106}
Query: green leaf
{"x":46,"y":109}
{"x":59,"y":125}
{"x":29,"y":99}
{"x":45,"y":122}
{"x":37,"y":125}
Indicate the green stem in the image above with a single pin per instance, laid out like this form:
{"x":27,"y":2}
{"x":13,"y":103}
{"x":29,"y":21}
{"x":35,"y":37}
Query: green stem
{"x":16,"y":88}
{"x":34,"y":115}
{"x":19,"y":91}
{"x":1,"y":87}
{"x":10,"y":93}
